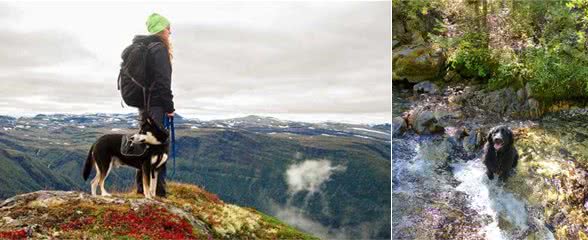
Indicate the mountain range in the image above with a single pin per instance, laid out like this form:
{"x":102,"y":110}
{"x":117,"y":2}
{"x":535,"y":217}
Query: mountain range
{"x":329,"y":179}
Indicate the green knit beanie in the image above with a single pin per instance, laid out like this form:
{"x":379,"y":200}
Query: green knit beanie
{"x":156,"y":23}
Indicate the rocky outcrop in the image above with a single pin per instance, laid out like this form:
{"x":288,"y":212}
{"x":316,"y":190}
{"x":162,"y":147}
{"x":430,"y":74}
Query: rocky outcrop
{"x":188,"y":213}
{"x":416,"y":63}
{"x":498,"y":104}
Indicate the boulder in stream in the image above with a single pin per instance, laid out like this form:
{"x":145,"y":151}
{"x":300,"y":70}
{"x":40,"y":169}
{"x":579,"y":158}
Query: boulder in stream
{"x":425,"y":87}
{"x":424,"y":122}
{"x":399,"y":126}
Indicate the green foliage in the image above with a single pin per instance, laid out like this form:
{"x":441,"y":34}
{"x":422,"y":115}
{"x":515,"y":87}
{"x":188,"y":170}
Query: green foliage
{"x":557,"y":74}
{"x":472,"y":58}
{"x":412,"y":9}
{"x":510,"y":72}
{"x":416,"y":16}
{"x":557,"y":66}
{"x":546,"y":47}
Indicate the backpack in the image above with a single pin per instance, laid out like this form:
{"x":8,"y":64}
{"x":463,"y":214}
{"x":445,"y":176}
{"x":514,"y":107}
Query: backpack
{"x":133,"y":84}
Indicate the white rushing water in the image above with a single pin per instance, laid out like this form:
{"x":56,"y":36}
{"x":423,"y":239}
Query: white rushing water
{"x":489,"y":197}
{"x":420,"y":174}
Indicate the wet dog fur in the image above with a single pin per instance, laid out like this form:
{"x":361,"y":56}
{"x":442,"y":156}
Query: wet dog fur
{"x":500,"y":155}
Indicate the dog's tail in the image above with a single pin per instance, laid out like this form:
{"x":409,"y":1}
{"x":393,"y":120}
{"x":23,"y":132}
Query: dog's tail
{"x":88,"y":165}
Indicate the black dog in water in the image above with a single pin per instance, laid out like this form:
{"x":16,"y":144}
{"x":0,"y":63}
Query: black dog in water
{"x":500,"y":155}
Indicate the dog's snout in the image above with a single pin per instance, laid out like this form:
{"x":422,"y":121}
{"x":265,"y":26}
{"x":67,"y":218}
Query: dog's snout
{"x":497,"y":136}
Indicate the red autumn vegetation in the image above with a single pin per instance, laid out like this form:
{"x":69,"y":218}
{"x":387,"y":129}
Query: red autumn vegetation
{"x":16,"y":234}
{"x":148,"y":222}
{"x":155,"y":223}
{"x":78,"y":223}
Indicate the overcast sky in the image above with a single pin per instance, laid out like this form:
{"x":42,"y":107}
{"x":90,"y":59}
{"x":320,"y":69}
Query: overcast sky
{"x":299,"y":60}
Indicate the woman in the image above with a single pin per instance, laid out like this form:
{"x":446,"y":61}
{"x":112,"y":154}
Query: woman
{"x":158,"y":72}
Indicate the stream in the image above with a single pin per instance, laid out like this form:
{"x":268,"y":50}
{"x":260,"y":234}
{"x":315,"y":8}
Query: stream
{"x":441,"y":191}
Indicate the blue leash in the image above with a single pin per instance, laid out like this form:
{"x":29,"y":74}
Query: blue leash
{"x":169,"y":124}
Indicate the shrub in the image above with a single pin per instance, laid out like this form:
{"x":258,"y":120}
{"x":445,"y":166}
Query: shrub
{"x":510,"y":72}
{"x":472,"y":58}
{"x":557,"y":74}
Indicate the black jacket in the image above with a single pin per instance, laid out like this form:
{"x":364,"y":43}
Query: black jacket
{"x":159,"y":72}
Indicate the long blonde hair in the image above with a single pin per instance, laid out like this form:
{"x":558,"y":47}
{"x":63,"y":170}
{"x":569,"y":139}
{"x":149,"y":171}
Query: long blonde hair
{"x":167,"y":43}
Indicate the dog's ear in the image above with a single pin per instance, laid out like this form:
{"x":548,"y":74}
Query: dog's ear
{"x":510,"y":135}
{"x":489,"y":136}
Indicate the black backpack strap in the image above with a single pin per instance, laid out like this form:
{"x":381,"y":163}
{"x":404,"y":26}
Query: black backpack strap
{"x":119,"y":76}
{"x":118,"y":83}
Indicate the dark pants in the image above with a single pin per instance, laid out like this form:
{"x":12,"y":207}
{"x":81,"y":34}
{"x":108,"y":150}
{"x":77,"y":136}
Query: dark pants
{"x":158,"y":115}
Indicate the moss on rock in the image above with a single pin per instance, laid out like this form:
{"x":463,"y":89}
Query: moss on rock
{"x":188,"y":213}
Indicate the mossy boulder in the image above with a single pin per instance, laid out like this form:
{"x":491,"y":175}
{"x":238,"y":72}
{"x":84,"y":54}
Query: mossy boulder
{"x":416,"y":63}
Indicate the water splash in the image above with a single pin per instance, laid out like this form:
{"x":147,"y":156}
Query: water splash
{"x":489,"y":198}
{"x":438,"y":195}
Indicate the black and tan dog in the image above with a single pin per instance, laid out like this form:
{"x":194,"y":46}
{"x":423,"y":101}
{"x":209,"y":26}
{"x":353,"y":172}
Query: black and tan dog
{"x":500,"y":155}
{"x":106,"y":153}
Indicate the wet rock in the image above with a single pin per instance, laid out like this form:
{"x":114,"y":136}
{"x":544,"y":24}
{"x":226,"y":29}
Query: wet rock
{"x":399,"y":126}
{"x":474,"y":139}
{"x":416,"y":63}
{"x":463,"y":96}
{"x":495,"y":105}
{"x":460,"y":133}
{"x":425,"y":87}
{"x":521,"y":95}
{"x":503,"y":101}
{"x":424,"y":122}
{"x":532,"y":108}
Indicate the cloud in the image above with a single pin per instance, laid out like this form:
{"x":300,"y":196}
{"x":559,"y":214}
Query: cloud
{"x":277,"y":59}
{"x":299,"y":218}
{"x":296,"y":217}
{"x":310,"y":175}
{"x":22,"y":50}
{"x":336,"y":64}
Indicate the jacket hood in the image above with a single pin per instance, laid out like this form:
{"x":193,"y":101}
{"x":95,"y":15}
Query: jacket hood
{"x":146,"y":38}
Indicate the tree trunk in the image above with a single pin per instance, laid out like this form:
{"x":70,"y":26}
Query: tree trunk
{"x":484,"y":15}
{"x":478,"y":18}
{"x":485,"y":23}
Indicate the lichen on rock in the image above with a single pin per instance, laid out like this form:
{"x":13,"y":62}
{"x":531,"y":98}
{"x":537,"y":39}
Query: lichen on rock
{"x":188,"y":213}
